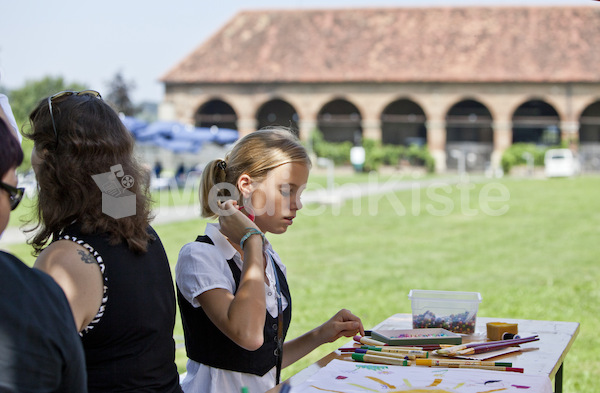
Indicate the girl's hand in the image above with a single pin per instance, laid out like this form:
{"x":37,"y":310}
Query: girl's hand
{"x":344,"y":323}
{"x":234,"y":223}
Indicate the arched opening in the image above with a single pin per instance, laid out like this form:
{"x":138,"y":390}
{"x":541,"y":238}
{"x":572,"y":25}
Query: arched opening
{"x":589,"y":137}
{"x":216,"y":113}
{"x":469,"y":135}
{"x":403,"y":123}
{"x":536,"y":122}
{"x":278,"y":113}
{"x":340,"y":121}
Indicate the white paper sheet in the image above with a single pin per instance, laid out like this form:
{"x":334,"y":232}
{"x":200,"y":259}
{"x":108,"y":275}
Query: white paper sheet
{"x":341,"y":376}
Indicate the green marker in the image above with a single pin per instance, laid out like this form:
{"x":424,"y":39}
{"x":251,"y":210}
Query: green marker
{"x":361,"y":357}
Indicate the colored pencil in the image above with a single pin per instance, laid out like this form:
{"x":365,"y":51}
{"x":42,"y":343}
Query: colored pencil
{"x":457,"y":362}
{"x":361,"y":357}
{"x":483,"y":346}
{"x":389,"y":354}
{"x":395,"y":347}
{"x":490,"y":347}
{"x":420,"y":347}
{"x":494,"y":368}
{"x":415,"y":352}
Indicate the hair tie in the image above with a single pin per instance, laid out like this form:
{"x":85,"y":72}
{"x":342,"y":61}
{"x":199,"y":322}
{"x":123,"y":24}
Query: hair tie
{"x":222,"y":164}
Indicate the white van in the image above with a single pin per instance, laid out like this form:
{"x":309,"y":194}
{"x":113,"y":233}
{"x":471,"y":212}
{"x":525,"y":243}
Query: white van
{"x":561,"y":163}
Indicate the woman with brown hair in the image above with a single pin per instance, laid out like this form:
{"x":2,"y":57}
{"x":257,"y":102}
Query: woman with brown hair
{"x":113,"y":269}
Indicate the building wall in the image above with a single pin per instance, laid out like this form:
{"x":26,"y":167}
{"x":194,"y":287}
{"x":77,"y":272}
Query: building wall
{"x":181,"y":102}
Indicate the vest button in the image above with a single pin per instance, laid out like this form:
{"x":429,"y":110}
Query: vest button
{"x":274,"y":326}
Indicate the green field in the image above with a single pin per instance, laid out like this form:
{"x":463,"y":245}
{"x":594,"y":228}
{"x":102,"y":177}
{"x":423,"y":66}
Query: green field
{"x":529,"y":246}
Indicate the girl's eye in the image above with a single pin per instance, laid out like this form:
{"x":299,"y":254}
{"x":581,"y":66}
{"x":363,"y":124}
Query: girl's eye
{"x":285,"y":190}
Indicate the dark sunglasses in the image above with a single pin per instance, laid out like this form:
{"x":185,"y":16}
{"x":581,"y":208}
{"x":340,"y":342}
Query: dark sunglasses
{"x":15,"y":194}
{"x":92,"y":93}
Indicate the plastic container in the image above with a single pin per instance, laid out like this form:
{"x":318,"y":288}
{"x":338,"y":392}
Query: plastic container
{"x":450,"y":310}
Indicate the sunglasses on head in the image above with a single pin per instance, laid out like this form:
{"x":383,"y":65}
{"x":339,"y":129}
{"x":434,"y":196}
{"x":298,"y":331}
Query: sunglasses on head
{"x":14,"y":194}
{"x":92,"y":93}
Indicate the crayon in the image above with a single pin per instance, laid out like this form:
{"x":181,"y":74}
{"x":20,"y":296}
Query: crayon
{"x":458,"y":362}
{"x":361,"y":357}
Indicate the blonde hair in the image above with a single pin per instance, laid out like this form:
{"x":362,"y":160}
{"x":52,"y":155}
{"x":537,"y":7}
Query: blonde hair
{"x":255,"y":155}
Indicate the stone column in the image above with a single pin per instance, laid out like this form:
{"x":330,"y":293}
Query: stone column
{"x":436,"y":143}
{"x":371,"y":129}
{"x":569,"y":133}
{"x":306,"y":126}
{"x":502,"y":140}
{"x":166,"y":111}
{"x":246,"y":125}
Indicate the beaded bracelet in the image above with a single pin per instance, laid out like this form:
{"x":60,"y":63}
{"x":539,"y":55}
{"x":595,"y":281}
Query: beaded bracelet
{"x":250,"y":232}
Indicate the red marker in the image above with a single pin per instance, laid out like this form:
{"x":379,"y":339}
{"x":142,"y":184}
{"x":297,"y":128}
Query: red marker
{"x":248,"y":214}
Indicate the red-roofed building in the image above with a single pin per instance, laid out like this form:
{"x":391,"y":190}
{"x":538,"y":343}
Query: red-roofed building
{"x":468,"y":79}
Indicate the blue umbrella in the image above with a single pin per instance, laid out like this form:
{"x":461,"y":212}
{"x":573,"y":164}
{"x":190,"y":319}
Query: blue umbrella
{"x":222,"y":136}
{"x":225,"y":136}
{"x":199,"y":135}
{"x":161,"y":128}
{"x":133,"y":124}
{"x":178,"y":146}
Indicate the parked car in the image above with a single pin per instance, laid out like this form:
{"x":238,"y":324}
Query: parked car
{"x":561,"y":163}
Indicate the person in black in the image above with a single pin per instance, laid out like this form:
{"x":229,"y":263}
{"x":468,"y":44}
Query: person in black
{"x":103,"y":253}
{"x":40,"y":350}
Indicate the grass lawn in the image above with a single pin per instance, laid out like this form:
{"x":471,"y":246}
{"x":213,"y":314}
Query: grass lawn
{"x":530,"y":247}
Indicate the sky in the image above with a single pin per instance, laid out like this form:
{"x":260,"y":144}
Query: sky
{"x":89,"y":41}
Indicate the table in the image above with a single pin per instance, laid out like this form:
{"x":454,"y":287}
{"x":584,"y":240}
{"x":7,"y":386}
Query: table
{"x":556,"y":339}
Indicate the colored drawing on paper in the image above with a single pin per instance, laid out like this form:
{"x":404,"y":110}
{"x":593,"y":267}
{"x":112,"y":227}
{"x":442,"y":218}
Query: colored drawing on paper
{"x":382,"y":382}
{"x":325,"y":390}
{"x":424,"y":390}
{"x":363,"y":387}
{"x":436,"y":382}
{"x":341,"y":376}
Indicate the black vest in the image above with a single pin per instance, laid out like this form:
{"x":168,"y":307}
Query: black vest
{"x":206,"y":344}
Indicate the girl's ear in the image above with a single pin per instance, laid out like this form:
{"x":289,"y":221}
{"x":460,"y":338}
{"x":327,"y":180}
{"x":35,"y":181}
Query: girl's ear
{"x":244,"y":184}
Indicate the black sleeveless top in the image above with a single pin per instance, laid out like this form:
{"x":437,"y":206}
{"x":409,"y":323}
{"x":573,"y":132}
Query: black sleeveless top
{"x":206,"y":344}
{"x":130,"y":348}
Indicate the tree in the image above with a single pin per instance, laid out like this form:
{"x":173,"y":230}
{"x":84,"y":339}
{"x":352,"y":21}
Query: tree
{"x":26,"y":98}
{"x":118,"y":95}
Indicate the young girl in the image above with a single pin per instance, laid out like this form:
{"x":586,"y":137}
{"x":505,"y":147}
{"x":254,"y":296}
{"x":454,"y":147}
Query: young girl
{"x":232,"y":290}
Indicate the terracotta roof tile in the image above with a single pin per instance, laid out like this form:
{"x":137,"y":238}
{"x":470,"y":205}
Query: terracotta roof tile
{"x":450,"y":44}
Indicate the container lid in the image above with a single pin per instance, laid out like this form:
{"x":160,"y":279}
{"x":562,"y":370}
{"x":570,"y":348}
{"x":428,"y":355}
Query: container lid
{"x":474,"y":297}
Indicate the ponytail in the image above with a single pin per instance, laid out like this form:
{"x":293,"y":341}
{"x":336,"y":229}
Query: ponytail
{"x":214,"y":173}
